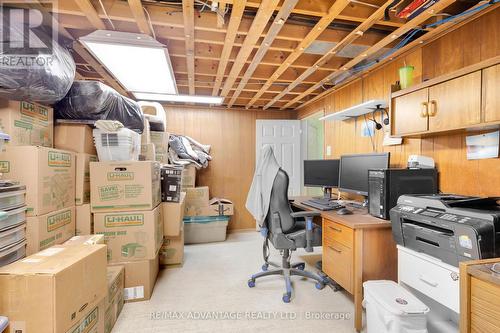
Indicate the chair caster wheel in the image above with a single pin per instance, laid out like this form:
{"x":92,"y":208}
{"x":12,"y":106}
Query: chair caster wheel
{"x":286,"y":298}
{"x":301,"y":267}
{"x":251,"y":283}
{"x":265,"y":267}
{"x":319,"y":285}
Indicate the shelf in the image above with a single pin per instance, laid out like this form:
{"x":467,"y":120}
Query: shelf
{"x":356,"y":111}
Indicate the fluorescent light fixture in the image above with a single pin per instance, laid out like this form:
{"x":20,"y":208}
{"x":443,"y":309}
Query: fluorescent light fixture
{"x":137,"y":61}
{"x":180,"y":98}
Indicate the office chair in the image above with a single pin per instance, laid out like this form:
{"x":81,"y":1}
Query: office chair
{"x":288,"y":231}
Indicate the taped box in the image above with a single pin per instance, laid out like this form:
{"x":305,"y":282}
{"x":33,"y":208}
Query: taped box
{"x":82,"y":186}
{"x":50,"y":229}
{"x":85,"y":239}
{"x":131,"y":236}
{"x":77,"y":138}
{"x":196,"y":199}
{"x":172,"y":250}
{"x":173,"y":214}
{"x":84,"y":220}
{"x":49,"y":176}
{"x":28,"y":124}
{"x":44,"y":304}
{"x":124,"y":186}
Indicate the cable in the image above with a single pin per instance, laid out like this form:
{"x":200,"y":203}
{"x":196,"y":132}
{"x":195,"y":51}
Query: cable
{"x":149,"y":22}
{"x":107,"y":16}
{"x":371,"y":133}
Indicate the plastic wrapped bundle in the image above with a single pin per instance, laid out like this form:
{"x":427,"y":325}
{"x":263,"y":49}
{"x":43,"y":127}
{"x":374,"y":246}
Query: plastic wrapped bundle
{"x":93,"y":100}
{"x":33,"y":66}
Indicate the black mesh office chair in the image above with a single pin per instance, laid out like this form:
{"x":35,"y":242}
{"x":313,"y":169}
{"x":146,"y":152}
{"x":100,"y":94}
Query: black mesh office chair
{"x":288,"y":231}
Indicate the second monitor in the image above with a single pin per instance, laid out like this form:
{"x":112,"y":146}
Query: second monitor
{"x":322,"y":173}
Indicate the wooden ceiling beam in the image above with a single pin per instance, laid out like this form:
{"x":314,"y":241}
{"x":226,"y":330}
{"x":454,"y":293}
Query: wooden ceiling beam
{"x":221,"y":13}
{"x":188,"y":13}
{"x":259,"y":23}
{"x":140,"y":17}
{"x":355,"y":34}
{"x":232,"y":29}
{"x":279,"y":22}
{"x":337,"y":7}
{"x":91,"y":14}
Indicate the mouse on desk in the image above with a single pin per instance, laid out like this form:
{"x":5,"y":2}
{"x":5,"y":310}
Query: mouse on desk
{"x":344,"y":211}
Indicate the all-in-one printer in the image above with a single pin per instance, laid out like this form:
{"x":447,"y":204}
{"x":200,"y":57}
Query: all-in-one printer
{"x":451,"y":228}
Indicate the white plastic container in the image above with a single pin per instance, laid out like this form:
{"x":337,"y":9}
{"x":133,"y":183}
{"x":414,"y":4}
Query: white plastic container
{"x":12,"y":253}
{"x":122,"y":145}
{"x":155,"y":114}
{"x":11,"y":218}
{"x":205,"y":229}
{"x":392,"y":309}
{"x":12,"y":235}
{"x":4,"y":138}
{"x":12,"y":195}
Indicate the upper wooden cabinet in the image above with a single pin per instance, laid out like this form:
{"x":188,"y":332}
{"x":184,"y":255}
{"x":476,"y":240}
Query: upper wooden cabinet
{"x":491,"y":93}
{"x":466,"y":98}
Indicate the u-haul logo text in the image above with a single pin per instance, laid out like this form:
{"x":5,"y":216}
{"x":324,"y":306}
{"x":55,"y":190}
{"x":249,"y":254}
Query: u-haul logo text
{"x":120,"y":175}
{"x":35,"y":111}
{"x":4,"y":166}
{"x":123,"y":220}
{"x":57,"y":221}
{"x":88,"y":322}
{"x":59,"y":159}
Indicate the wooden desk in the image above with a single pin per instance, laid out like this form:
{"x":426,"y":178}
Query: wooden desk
{"x":356,"y":248}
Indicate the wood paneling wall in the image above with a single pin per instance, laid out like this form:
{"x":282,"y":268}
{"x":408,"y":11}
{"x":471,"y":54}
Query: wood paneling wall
{"x":231,"y":133}
{"x":469,"y":44}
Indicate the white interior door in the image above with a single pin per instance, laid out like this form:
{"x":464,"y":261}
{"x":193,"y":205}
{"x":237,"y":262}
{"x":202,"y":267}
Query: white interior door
{"x":284,"y":137}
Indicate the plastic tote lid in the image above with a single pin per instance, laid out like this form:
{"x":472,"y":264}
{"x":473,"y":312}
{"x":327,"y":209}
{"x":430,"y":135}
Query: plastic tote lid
{"x":394,"y":298}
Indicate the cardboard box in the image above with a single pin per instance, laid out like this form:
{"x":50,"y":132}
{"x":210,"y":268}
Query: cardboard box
{"x":28,"y":124}
{"x":171,"y":176}
{"x":124,"y":186}
{"x":74,"y":137}
{"x":140,"y":279}
{"x":172,"y":250}
{"x":84,"y":220}
{"x":49,"y":176}
{"x":160,"y":140}
{"x":197,"y":198}
{"x":50,"y":229}
{"x":47,"y":292}
{"x":85,"y":239}
{"x":146,"y":133}
{"x":173,"y":213}
{"x":131,"y":236}
{"x":188,"y":177}
{"x":82,"y":186}
{"x":215,"y":207}
{"x":114,"y":299}
{"x":94,"y":320}
{"x":161,"y":158}
{"x":148,"y":152}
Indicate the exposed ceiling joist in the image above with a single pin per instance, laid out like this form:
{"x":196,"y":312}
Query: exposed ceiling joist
{"x":91,"y":14}
{"x":356,"y":33}
{"x":337,"y":7}
{"x":232,"y":29}
{"x":140,"y":16}
{"x":266,"y":9}
{"x":188,"y":13}
{"x":221,"y":13}
{"x":273,"y":31}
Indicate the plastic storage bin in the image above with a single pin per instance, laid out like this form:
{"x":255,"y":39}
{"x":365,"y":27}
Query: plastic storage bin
{"x":11,"y":218}
{"x":205,"y":229}
{"x":12,"y":253}
{"x":12,"y":235}
{"x":12,"y":195}
{"x":392,"y":309}
{"x":122,"y":145}
{"x":4,"y":322}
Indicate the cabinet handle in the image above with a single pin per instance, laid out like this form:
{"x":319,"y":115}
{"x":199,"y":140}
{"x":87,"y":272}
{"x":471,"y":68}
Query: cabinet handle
{"x":433,"y":109}
{"x":427,"y":281}
{"x":424,"y":110}
{"x":335,"y":229}
{"x":334,"y":249}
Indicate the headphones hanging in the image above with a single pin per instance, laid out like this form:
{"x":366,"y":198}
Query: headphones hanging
{"x":378,"y":126}
{"x":386,"y":120}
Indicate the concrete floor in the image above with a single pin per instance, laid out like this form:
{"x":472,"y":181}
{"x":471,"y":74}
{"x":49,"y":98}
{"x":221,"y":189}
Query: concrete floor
{"x":213,"y":282}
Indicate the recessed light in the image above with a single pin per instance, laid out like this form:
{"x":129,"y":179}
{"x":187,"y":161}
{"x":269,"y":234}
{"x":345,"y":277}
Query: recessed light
{"x":359,"y":33}
{"x":394,"y":36}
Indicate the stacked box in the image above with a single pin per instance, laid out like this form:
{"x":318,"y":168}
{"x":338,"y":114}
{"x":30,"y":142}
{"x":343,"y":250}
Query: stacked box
{"x":188,"y":177}
{"x":115,"y":298}
{"x":125,"y":202}
{"x":172,"y":250}
{"x":74,"y":137}
{"x":160,"y":140}
{"x":171,"y":176}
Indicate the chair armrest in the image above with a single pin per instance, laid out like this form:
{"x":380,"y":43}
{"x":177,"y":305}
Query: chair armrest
{"x":310,"y":213}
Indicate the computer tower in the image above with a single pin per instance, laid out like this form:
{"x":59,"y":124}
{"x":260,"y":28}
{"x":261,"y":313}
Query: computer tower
{"x":386,"y":185}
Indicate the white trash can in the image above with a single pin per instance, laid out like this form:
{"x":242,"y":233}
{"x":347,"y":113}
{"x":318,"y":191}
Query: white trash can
{"x":392,"y":309}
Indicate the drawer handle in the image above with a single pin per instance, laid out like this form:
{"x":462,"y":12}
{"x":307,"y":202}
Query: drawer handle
{"x":334,"y":249}
{"x":432,"y":109}
{"x":427,"y":281}
{"x":335,"y":229}
{"x":424,"y":109}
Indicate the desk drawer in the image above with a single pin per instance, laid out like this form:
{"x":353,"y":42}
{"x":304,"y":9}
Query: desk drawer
{"x":432,"y":279}
{"x":337,"y":263}
{"x":339,"y":233}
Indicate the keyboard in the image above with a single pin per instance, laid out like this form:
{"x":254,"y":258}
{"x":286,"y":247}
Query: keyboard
{"x":331,"y":205}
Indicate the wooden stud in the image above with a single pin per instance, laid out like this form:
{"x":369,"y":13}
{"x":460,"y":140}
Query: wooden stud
{"x":232,"y":29}
{"x":91,"y":14}
{"x":188,"y":13}
{"x":221,"y":13}
{"x":322,"y":24}
{"x":140,"y":17}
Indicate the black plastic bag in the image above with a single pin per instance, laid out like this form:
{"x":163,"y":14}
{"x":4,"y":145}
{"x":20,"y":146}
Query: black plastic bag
{"x":93,"y":100}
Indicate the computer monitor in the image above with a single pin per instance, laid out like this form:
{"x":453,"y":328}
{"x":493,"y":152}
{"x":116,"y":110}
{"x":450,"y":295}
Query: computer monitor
{"x":354,"y":171}
{"x":322,"y":173}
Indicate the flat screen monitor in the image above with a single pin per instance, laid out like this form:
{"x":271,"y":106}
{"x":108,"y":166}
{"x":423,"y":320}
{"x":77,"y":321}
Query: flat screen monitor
{"x":354,"y":171}
{"x":324,"y":173}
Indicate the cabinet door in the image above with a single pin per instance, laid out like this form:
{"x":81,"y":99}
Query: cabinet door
{"x":409,"y":113}
{"x":491,"y":93}
{"x":456,"y":103}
